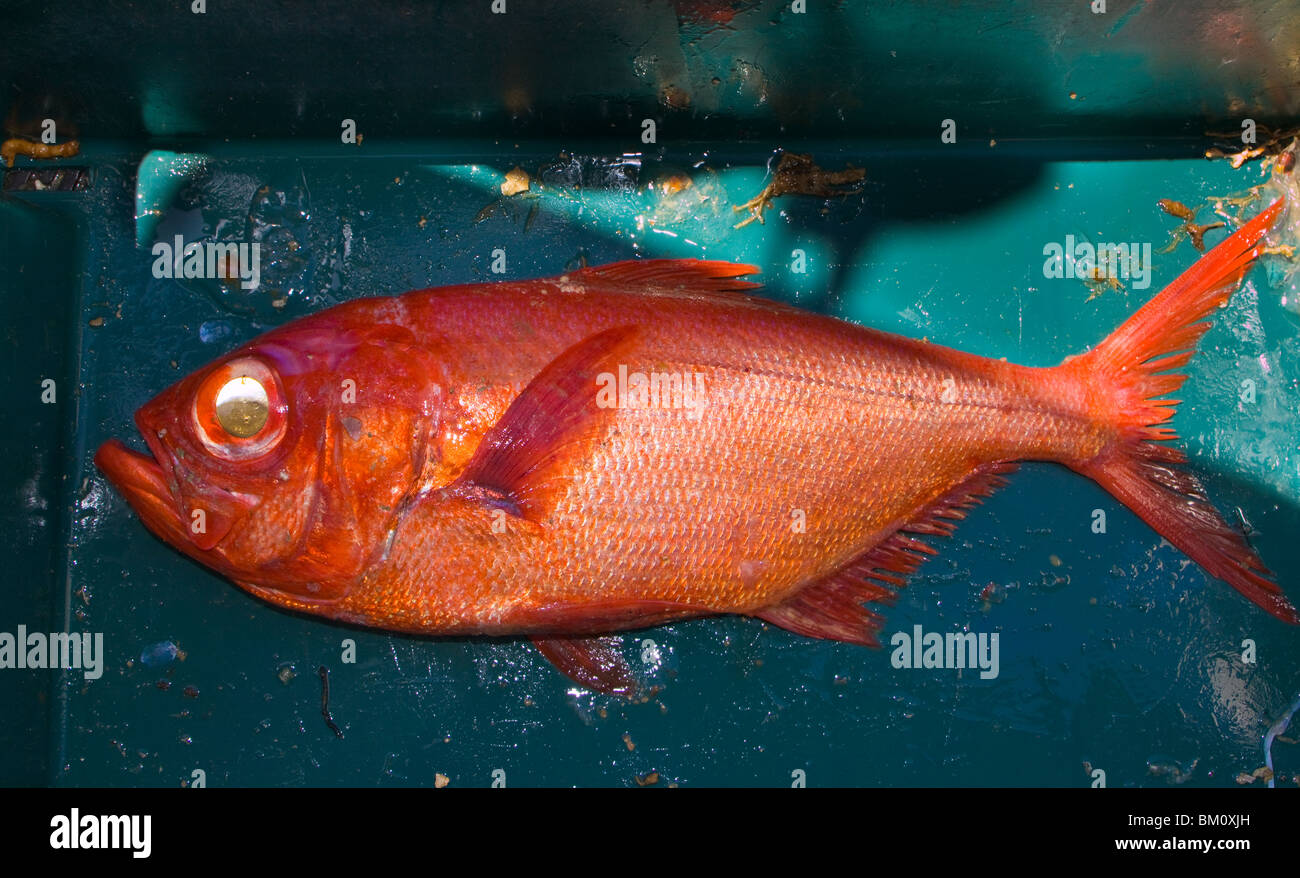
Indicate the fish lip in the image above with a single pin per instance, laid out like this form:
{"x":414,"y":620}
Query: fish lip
{"x":144,"y":482}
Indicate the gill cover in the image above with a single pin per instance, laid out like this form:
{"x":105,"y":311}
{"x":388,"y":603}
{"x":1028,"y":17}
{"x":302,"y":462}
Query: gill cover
{"x":333,"y":421}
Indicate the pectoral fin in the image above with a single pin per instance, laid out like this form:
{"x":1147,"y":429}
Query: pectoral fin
{"x":525,"y":457}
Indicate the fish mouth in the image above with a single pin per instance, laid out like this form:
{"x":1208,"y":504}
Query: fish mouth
{"x":141,"y":479}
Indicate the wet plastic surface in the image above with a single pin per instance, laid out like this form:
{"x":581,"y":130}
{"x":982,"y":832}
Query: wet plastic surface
{"x":1116,"y":652}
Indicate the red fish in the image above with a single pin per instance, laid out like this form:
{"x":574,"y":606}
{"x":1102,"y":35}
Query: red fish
{"x":641,"y":442}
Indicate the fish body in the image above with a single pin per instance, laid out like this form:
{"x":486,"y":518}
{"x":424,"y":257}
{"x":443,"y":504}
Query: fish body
{"x":631,"y":444}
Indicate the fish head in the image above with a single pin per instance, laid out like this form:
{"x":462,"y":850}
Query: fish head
{"x":284,"y":464}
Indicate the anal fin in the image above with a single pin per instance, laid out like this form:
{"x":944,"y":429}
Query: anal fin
{"x":834,"y":608}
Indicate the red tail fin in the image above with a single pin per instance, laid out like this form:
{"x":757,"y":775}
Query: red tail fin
{"x":1133,"y":364}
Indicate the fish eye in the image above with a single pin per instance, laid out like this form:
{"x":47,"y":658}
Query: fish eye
{"x":242,"y":406}
{"x":239,"y":410}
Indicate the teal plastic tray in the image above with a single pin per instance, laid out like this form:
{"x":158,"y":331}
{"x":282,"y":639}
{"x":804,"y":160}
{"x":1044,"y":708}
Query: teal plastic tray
{"x":1116,"y":654}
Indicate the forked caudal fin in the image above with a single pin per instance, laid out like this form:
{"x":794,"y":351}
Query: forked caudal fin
{"x":1136,"y":365}
{"x":1122,"y":380}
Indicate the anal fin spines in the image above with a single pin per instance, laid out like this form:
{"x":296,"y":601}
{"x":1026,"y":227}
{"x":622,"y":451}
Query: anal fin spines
{"x":834,"y":608}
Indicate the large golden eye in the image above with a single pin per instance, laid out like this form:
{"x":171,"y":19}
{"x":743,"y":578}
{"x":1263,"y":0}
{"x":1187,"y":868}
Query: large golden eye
{"x":242,"y":407}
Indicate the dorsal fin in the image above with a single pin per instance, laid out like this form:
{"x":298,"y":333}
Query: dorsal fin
{"x":680,"y":274}
{"x":832,"y":608}
{"x":552,"y":420}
